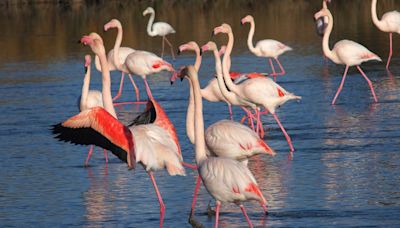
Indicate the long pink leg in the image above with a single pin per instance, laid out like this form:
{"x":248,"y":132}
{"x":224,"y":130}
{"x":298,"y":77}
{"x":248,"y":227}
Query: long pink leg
{"x":170,"y":45}
{"x":105,"y":155}
{"x":260,"y":124}
{"x":250,"y":115}
{"x":280,"y":66}
{"x":273,"y":69}
{"x":217,"y":213}
{"x":134,"y":86}
{"x":391,"y":51}
{"x":289,"y":141}
{"x":230,"y":111}
{"x":264,"y":207}
{"x":245,"y":215}
{"x":190,"y":166}
{"x":341,"y":85}
{"x":162,"y":52}
{"x":88,"y":156}
{"x":121,"y":83}
{"x":195,"y":193}
{"x":369,"y":83}
{"x":148,"y":89}
{"x":162,"y":206}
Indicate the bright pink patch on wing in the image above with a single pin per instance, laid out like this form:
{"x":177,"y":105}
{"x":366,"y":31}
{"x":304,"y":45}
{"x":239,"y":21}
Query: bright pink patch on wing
{"x":252,"y":187}
{"x":367,"y":56}
{"x":234,"y":75}
{"x":255,"y":75}
{"x":280,"y":93}
{"x":156,"y":65}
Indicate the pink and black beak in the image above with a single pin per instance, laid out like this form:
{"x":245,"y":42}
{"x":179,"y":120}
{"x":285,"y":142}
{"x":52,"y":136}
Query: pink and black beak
{"x":320,"y":25}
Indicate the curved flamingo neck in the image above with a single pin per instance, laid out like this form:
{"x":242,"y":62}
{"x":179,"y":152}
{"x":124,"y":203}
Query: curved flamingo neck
{"x":85,"y":89}
{"x":325,"y":41}
{"x":250,"y":37}
{"x":375,"y":18}
{"x":190,"y":114}
{"x":117,"y":45}
{"x":150,"y":25}
{"x":106,"y":89}
{"x":225,"y":61}
{"x":200,"y":146}
{"x":229,"y":96}
{"x":97,"y":63}
{"x":197,"y":63}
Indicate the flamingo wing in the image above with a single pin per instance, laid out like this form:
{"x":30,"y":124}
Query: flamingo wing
{"x":163,"y":28}
{"x":147,"y":117}
{"x":96,"y":126}
{"x":392,"y":20}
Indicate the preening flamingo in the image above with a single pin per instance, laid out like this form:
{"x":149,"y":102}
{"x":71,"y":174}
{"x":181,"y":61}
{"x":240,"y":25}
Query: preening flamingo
{"x":390,"y":23}
{"x":90,"y":99}
{"x":268,"y":48}
{"x":224,"y":138}
{"x":322,"y":22}
{"x":211,"y":92}
{"x":150,"y":144}
{"x":345,"y":52}
{"x":123,"y":53}
{"x":159,"y":29}
{"x":260,"y":91}
{"x":141,"y":63}
{"x":227,"y":180}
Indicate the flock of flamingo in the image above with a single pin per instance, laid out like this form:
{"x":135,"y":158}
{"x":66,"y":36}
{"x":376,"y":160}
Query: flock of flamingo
{"x":223,"y":149}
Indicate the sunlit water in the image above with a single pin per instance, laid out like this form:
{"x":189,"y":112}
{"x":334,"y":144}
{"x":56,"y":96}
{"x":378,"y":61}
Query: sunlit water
{"x":345,"y":171}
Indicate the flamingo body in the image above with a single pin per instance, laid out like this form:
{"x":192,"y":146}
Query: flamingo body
{"x":161,"y":29}
{"x":352,"y":54}
{"x":270,"y":48}
{"x":143,"y":63}
{"x":390,"y":22}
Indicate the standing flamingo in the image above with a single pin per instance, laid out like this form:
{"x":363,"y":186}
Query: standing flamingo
{"x":390,"y":23}
{"x":90,"y":99}
{"x":141,"y":63}
{"x":211,"y":92}
{"x":227,"y":180}
{"x":149,"y":144}
{"x":261,"y":91}
{"x":224,"y":138}
{"x":345,"y":52}
{"x":123,"y":53}
{"x":159,"y":29}
{"x":266,"y":48}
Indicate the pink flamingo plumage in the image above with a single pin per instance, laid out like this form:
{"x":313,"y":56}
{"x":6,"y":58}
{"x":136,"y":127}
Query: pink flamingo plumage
{"x":345,"y":52}
{"x":268,"y":48}
{"x":123,"y":53}
{"x":390,"y":23}
{"x":261,"y":91}
{"x":227,"y":180}
{"x":159,"y":29}
{"x":150,"y":144}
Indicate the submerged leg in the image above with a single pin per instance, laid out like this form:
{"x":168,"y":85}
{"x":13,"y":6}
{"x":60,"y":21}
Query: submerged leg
{"x":162,"y":206}
{"x":170,"y":45}
{"x":88,"y":156}
{"x":341,"y":85}
{"x":135,"y":87}
{"x":369,"y":83}
{"x":391,"y":50}
{"x":245,"y":215}
{"x":289,"y":141}
{"x":105,"y":155}
{"x":218,"y":205}
{"x":195,"y":193}
{"x":121,"y":83}
{"x":230,"y":111}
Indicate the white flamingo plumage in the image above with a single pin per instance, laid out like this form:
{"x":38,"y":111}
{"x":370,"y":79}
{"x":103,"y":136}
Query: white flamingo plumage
{"x":150,"y":144}
{"x":345,"y":52}
{"x":267,"y":48}
{"x":390,"y":23}
{"x":159,"y":29}
{"x":227,"y":180}
{"x":261,"y":91}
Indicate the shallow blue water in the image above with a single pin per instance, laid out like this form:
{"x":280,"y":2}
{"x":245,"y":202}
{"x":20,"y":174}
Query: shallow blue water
{"x":345,"y":171}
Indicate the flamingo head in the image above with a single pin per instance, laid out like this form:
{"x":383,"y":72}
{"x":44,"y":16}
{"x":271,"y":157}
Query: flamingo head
{"x":222,"y":50}
{"x":324,"y":12}
{"x":95,"y":42}
{"x":247,"y":19}
{"x":148,"y":10}
{"x":190,"y":46}
{"x":179,"y":74}
{"x":224,"y":28}
{"x":114,"y":23}
{"x":88,"y":60}
{"x":210,"y":46}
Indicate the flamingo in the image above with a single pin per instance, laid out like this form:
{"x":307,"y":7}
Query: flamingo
{"x":90,"y":99}
{"x":226,"y":180}
{"x":266,"y":48}
{"x":390,"y":23}
{"x":141,"y":63}
{"x":150,"y":144}
{"x":159,"y":29}
{"x":261,"y":91}
{"x":224,"y":138}
{"x":345,"y":52}
{"x":123,"y":52}
{"x":211,"y":92}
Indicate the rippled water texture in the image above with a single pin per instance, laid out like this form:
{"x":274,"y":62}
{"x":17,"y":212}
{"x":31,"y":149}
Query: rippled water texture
{"x":346,"y":168}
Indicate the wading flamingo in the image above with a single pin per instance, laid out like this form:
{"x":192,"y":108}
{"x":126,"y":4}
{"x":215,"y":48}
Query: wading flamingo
{"x":345,"y":52}
{"x":227,"y":180}
{"x":141,"y":63}
{"x":224,"y":138}
{"x":261,"y":91}
{"x":149,"y":144}
{"x":90,"y":99}
{"x":268,"y":48}
{"x":123,"y":52}
{"x":390,"y":23}
{"x":159,"y":29}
